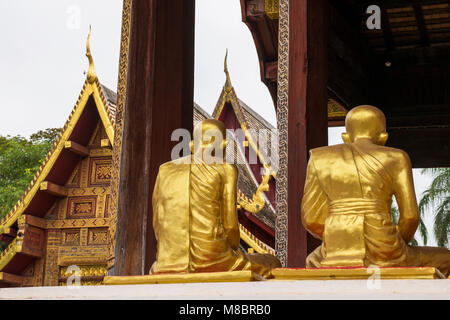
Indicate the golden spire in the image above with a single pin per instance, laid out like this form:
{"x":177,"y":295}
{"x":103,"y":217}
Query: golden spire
{"x":91,"y":74}
{"x":228,"y":86}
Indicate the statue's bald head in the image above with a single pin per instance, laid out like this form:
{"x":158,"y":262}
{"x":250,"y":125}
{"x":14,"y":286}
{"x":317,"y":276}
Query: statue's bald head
{"x":210,"y":134}
{"x":365,"y":122}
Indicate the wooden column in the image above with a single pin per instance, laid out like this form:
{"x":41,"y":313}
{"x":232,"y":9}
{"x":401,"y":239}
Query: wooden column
{"x":160,"y":89}
{"x":308,"y":96}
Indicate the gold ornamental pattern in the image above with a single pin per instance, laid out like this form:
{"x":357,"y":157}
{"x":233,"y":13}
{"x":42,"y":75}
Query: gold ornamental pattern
{"x":281,"y":232}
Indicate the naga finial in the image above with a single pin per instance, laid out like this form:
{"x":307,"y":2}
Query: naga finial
{"x":228,"y":86}
{"x":91,"y":74}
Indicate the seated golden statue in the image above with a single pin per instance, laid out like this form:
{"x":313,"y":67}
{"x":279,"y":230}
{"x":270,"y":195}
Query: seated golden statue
{"x":194,"y":211}
{"x":348,"y":196}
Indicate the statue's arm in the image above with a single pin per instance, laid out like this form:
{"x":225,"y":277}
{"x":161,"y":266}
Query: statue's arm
{"x":230,"y":218}
{"x":314,"y":203}
{"x":406,"y":198}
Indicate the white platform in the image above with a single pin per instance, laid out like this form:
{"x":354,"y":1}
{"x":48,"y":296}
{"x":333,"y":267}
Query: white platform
{"x":266,"y":290}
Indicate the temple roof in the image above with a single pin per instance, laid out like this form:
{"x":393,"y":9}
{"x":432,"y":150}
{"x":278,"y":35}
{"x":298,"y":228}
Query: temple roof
{"x":254,"y":119}
{"x":43,"y":191}
{"x":95,"y":103}
{"x":81,"y":122}
{"x":111,"y":99}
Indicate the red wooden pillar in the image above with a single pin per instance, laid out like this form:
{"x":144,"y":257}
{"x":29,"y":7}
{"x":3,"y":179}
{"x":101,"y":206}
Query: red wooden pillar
{"x":308,"y":97}
{"x":160,"y":92}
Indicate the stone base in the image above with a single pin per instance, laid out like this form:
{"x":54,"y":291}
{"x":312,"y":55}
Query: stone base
{"x":345,"y":273}
{"x":255,"y":290}
{"x":234,"y":276}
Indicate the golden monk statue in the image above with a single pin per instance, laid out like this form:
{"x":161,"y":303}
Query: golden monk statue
{"x":348,"y":196}
{"x":194,"y":211}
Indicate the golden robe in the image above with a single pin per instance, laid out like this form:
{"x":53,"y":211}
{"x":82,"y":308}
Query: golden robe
{"x":195,"y":221}
{"x":347,"y":203}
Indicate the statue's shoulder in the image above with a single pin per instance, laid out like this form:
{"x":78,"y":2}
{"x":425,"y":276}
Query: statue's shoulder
{"x":399,"y":157}
{"x":175,"y":163}
{"x":320,"y":152}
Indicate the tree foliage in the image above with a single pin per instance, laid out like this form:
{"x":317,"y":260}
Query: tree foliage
{"x":20,"y":158}
{"x":437,"y":199}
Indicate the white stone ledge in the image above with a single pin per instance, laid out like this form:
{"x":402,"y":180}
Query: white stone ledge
{"x":265,"y":290}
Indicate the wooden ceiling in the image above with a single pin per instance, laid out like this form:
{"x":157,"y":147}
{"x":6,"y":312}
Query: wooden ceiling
{"x":403,"y":68}
{"x":405,"y":24}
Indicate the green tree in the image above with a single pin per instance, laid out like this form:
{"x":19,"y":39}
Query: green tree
{"x":437,"y":199}
{"x":48,"y":135}
{"x":20,"y":158}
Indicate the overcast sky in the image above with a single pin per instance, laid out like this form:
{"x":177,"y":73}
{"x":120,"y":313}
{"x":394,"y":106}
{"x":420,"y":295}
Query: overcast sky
{"x":42,"y":61}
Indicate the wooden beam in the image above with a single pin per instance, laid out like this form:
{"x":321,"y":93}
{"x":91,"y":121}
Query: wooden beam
{"x":336,"y":123}
{"x":271,"y":70}
{"x":421,"y":23}
{"x":387,"y":31}
{"x":389,"y":4}
{"x":53,"y":189}
{"x":35,"y":221}
{"x":308,"y":114}
{"x":11,"y":279}
{"x":160,"y":91}
{"x":77,"y":148}
{"x":32,"y":238}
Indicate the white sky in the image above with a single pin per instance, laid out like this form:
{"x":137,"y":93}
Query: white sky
{"x":42,"y":61}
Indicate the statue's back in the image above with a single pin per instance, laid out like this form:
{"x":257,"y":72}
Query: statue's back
{"x":352,"y":171}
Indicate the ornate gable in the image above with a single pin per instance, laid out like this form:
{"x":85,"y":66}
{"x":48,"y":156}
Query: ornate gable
{"x":62,"y":218}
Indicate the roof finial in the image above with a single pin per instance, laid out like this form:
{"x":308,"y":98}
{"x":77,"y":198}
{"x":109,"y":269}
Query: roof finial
{"x":228,"y":86}
{"x":91,"y":75}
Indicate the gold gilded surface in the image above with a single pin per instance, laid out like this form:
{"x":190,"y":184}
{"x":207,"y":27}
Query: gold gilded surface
{"x":254,"y":243}
{"x":233,"y":276}
{"x":85,"y":271}
{"x":91,"y":74}
{"x":355,"y":273}
{"x":272,"y":9}
{"x":348,"y":197}
{"x":194,"y":211}
{"x":257,"y":202}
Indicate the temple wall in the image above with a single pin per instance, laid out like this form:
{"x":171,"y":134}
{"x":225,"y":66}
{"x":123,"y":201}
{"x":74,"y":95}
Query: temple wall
{"x":77,"y":225}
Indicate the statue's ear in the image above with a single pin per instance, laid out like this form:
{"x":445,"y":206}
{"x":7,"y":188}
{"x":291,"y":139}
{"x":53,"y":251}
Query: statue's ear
{"x":346,"y":137}
{"x":382,"y":138}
